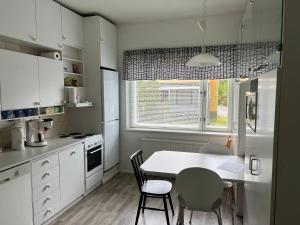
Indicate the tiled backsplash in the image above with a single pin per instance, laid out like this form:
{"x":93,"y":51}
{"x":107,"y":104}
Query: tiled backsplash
{"x":61,"y":125}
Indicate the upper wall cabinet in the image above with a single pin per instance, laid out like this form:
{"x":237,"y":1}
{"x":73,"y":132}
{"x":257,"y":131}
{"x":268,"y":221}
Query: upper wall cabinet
{"x":17,"y":19}
{"x":108,"y":44}
{"x":271,"y":18}
{"x":19,"y":80}
{"x":72,"y":28}
{"x":49,"y":24}
{"x":262,"y":21}
{"x":51,"y":82}
{"x":262,"y":27}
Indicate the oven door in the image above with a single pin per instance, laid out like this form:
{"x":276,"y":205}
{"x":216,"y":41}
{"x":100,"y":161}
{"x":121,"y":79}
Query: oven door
{"x":94,"y":160}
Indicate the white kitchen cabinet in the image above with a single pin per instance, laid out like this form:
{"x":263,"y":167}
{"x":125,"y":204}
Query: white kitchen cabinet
{"x":51,"y":82}
{"x":108,"y":44}
{"x":72,"y":28}
{"x":19,"y":80}
{"x":18,"y":19}
{"x":71,"y":163}
{"x":49,"y":24}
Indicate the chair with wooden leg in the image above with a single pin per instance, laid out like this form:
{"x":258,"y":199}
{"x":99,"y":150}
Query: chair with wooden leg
{"x":218,"y":149}
{"x":150,"y":188}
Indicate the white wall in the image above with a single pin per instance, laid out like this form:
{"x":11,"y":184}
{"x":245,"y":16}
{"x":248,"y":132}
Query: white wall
{"x":173,"y":33}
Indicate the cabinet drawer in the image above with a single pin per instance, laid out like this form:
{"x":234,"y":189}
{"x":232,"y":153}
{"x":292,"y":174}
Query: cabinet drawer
{"x":45,"y":176}
{"x":46,"y":201}
{"x":45,"y":189}
{"x":44,"y":164}
{"x":47,"y":213}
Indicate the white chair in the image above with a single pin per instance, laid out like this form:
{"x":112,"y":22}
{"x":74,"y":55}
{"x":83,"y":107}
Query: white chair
{"x":218,"y":149}
{"x":199,"y":189}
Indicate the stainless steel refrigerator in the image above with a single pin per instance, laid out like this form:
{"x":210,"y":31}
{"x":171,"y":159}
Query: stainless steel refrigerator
{"x":110,"y":105}
{"x":259,"y":151}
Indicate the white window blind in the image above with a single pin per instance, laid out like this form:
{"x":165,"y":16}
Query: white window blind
{"x":178,"y":104}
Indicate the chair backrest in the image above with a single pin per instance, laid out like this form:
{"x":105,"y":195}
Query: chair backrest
{"x":215,"y":148}
{"x":200,"y":188}
{"x":136,"y":161}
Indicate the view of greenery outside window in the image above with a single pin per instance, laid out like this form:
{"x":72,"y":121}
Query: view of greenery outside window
{"x":178,"y":104}
{"x":217,"y":109}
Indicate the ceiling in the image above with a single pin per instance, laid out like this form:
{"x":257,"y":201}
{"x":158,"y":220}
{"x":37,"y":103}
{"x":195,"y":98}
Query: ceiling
{"x":138,"y":11}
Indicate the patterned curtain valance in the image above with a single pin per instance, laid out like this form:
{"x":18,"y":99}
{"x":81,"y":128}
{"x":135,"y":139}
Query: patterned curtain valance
{"x":170,"y":63}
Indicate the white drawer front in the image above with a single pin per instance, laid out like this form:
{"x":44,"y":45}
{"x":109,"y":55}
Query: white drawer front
{"x":45,"y":176}
{"x":44,"y":164}
{"x":46,"y":214}
{"x":45,"y":189}
{"x":46,"y":201}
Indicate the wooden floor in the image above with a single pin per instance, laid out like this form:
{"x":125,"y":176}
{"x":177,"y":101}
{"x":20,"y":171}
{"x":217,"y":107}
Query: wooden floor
{"x":115,"y":203}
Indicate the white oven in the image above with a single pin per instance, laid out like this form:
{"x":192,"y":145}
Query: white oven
{"x":93,"y":162}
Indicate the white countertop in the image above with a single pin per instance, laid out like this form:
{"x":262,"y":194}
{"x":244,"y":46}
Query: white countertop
{"x":10,"y":158}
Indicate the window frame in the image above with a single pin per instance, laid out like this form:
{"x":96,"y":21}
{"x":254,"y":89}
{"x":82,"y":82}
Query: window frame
{"x":130,"y":116}
{"x":230,"y":108}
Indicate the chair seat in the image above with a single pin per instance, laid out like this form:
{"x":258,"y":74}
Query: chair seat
{"x":228,"y":184}
{"x":157,"y":187}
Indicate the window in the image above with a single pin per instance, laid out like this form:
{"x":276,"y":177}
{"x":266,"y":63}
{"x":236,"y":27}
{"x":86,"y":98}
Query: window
{"x":180,"y":104}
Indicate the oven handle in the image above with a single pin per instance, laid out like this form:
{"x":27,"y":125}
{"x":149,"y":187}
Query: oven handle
{"x":92,"y":152}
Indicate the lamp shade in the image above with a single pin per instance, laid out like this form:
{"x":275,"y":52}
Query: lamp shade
{"x":203,"y":60}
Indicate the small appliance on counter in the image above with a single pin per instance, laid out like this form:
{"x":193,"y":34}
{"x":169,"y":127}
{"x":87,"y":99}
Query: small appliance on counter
{"x":76,"y":95}
{"x":18,"y":136}
{"x":35,"y":132}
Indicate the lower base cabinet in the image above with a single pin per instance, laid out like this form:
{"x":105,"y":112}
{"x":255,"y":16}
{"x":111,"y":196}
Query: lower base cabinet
{"x":57,"y":181}
{"x":71,"y":164}
{"x":46,"y":192}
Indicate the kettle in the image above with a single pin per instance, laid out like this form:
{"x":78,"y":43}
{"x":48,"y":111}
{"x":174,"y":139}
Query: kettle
{"x":18,"y":136}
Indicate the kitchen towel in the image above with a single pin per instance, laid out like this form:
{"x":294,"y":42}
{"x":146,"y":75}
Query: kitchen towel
{"x":51,"y":55}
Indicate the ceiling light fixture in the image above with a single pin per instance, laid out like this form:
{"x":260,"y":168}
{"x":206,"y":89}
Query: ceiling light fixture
{"x":203,"y":59}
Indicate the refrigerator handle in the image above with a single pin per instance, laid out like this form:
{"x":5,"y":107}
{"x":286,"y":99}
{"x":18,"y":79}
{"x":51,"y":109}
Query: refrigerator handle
{"x":254,"y":170}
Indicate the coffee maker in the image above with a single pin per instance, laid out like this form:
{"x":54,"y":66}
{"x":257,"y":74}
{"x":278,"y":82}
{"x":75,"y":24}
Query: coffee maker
{"x":36,"y":130}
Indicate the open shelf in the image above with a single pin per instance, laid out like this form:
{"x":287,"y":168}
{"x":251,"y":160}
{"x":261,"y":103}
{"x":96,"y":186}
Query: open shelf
{"x":17,"y":114}
{"x":20,"y":118}
{"x":73,"y":74}
{"x":80,"y":104}
{"x":74,"y":78}
{"x":73,"y":87}
{"x":73,"y":60}
{"x":50,"y":111}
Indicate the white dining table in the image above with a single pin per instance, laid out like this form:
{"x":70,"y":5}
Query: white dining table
{"x":169,"y":163}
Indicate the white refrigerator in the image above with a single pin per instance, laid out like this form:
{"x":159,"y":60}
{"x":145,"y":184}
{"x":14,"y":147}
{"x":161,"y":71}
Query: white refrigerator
{"x":259,"y":151}
{"x":110,"y":106}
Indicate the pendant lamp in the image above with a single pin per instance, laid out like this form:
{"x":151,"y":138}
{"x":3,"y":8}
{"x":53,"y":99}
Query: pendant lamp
{"x":203,"y":59}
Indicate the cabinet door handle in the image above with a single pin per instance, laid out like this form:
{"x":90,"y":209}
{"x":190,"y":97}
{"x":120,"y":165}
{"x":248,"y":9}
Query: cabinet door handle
{"x":45,"y":162}
{"x":36,"y":103}
{"x":46,"y":174}
{"x":33,"y":38}
{"x":4,"y":180}
{"x":64,"y":37}
{"x":253,"y":171}
{"x":73,"y":153}
{"x":47,"y":199}
{"x":47,"y":187}
{"x":48,"y":211}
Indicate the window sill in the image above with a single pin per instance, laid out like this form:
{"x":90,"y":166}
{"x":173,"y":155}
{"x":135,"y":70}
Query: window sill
{"x":194,"y":132}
